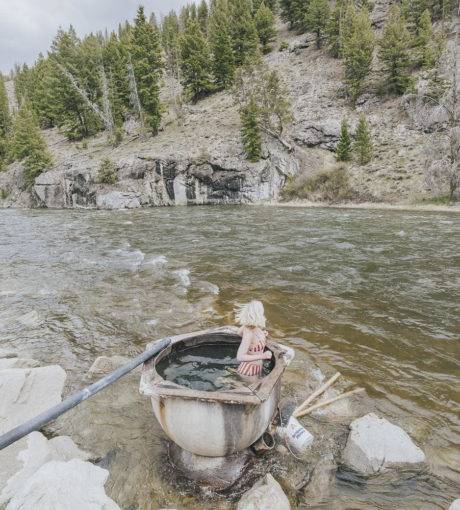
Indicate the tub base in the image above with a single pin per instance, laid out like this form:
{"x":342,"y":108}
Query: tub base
{"x":218,"y":473}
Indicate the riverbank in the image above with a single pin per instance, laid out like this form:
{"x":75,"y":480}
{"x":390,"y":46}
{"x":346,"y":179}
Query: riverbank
{"x":455,"y":208}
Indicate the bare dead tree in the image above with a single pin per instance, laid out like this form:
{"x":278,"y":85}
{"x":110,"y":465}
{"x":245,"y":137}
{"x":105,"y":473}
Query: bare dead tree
{"x":134,"y":96}
{"x":109,"y":124}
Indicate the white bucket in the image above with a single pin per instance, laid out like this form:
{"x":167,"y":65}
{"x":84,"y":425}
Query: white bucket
{"x":295,"y":436}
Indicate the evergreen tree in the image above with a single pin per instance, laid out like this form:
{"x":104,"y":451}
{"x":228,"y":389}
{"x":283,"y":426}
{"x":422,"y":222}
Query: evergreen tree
{"x":202,"y":15}
{"x":363,"y":144}
{"x":333,"y":29}
{"x":265,"y":24}
{"x":316,"y":19}
{"x":147,"y":63}
{"x":243,"y":31}
{"x":395,"y":52}
{"x":357,"y":51}
{"x":250,"y":131}
{"x":27,"y":144}
{"x":196,"y":62}
{"x":170,"y":38}
{"x":68,"y":108}
{"x":429,"y":46}
{"x":223,"y":61}
{"x":293,"y":12}
{"x":4,"y":121}
{"x":115,"y":56}
{"x":343,"y":151}
{"x":412,"y":11}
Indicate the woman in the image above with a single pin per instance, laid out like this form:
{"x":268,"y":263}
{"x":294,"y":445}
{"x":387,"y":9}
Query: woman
{"x":251,"y":351}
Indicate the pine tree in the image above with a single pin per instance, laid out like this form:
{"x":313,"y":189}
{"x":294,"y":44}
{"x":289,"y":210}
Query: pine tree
{"x":357,"y":51}
{"x":148,"y":65}
{"x":412,"y":11}
{"x":265,"y":24}
{"x":429,"y":45}
{"x":333,"y":29}
{"x":316,"y":19}
{"x":223,"y":61}
{"x":293,"y":12}
{"x":196,"y":62}
{"x":202,"y":15}
{"x":170,"y":38}
{"x":363,"y":144}
{"x":27,"y":144}
{"x":5,"y":121}
{"x":243,"y":31}
{"x":250,"y":131}
{"x":343,"y":151}
{"x":395,"y":52}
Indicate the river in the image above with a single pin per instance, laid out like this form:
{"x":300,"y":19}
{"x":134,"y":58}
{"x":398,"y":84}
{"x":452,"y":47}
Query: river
{"x":374,"y":294}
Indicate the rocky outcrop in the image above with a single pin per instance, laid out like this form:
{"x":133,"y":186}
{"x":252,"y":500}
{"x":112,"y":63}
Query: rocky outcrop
{"x":72,"y":485}
{"x":24,"y":393}
{"x":375,"y":445}
{"x":266,"y":494}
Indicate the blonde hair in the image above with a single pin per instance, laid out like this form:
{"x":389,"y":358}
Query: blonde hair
{"x":251,"y":314}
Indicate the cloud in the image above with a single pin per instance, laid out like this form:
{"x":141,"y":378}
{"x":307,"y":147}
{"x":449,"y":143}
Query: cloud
{"x":27,"y":27}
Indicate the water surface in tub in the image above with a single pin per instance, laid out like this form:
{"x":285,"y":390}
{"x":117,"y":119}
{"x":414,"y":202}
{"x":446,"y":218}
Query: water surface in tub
{"x":205,"y":367}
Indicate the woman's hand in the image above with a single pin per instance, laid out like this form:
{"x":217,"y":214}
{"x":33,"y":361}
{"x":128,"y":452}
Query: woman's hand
{"x":268,"y":355}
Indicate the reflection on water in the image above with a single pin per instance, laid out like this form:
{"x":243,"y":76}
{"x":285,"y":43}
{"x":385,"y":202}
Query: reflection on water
{"x":372,"y":293}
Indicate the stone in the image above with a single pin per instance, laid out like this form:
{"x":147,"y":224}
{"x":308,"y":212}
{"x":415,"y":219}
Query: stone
{"x":58,"y":485}
{"x":24,"y":393}
{"x":105,"y":364}
{"x":375,"y":445}
{"x":266,"y":494}
{"x":118,"y":200}
{"x":18,"y":363}
{"x":40,"y":451}
{"x":218,"y":473}
{"x":5,"y":353}
{"x":323,"y":474}
{"x":455,"y":505}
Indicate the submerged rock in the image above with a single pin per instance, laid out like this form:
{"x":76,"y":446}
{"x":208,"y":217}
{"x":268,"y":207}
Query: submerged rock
{"x":18,"y":363}
{"x":376,"y":445}
{"x":106,"y":364}
{"x":218,"y":473}
{"x":57,"y":485}
{"x":266,"y":494}
{"x":24,"y":393}
{"x":321,"y":478}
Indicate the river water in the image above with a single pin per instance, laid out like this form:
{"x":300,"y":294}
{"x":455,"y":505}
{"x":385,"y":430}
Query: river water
{"x":374,"y":294}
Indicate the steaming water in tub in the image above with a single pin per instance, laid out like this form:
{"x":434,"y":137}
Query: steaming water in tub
{"x":205,"y":367}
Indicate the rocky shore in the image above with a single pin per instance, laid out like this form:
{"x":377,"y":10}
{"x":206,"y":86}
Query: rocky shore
{"x":42,"y":472}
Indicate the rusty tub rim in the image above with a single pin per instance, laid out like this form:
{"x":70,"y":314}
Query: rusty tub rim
{"x":152,"y":384}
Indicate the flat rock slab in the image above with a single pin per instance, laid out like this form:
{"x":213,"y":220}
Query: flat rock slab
{"x":455,"y":505}
{"x":57,"y":485}
{"x":375,"y":445}
{"x":266,"y":494}
{"x":18,"y":363}
{"x":24,"y":393}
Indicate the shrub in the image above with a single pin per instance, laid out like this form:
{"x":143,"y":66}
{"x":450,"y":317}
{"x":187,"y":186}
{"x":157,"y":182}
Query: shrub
{"x":283,"y":46}
{"x":3,"y":193}
{"x":107,"y":173}
{"x":329,"y":185}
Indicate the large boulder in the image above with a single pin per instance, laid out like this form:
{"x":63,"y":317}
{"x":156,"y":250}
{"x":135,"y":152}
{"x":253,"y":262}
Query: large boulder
{"x":266,"y":494}
{"x":118,"y":200}
{"x":58,"y":485}
{"x":24,"y":393}
{"x":455,"y":505}
{"x":375,"y":445}
{"x":40,"y":451}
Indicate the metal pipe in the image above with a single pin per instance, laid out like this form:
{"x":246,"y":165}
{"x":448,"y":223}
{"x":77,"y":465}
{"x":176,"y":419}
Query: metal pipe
{"x":51,"y":414}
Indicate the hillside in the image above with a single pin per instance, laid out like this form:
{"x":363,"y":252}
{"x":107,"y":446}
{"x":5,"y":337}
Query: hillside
{"x":199,"y":157}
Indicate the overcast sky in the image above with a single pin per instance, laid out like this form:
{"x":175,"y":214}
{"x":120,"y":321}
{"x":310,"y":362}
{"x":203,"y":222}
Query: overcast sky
{"x":27,"y":27}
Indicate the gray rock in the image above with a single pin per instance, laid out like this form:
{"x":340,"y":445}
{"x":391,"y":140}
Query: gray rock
{"x":106,"y":364}
{"x":40,"y":451}
{"x":5,"y":353}
{"x":18,"y":363}
{"x":118,"y":200}
{"x":455,"y":505}
{"x":24,"y":393}
{"x":57,"y":485}
{"x":321,"y":133}
{"x":375,"y":445}
{"x":266,"y":494}
{"x":321,"y":479}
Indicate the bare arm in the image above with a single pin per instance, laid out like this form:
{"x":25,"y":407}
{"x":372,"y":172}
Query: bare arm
{"x":242,"y":354}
